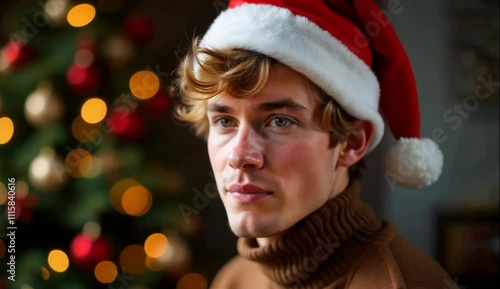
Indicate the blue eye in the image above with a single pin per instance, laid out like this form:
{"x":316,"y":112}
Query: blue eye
{"x":280,"y":122}
{"x":224,"y":122}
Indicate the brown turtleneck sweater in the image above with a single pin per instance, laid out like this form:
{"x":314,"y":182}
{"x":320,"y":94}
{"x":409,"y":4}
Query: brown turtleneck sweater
{"x":341,"y":245}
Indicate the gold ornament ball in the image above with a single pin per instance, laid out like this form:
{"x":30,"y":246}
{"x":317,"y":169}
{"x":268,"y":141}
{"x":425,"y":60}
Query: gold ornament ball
{"x":43,"y":107}
{"x":56,"y":11}
{"x":46,"y":171}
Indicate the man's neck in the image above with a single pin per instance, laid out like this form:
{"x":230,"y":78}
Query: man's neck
{"x":338,"y":189}
{"x":267,"y":240}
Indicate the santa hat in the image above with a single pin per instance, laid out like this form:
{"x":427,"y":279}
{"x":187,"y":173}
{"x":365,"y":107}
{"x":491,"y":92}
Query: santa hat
{"x":349,"y":49}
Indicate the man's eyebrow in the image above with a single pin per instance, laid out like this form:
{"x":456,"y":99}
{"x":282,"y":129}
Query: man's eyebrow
{"x":266,"y":106}
{"x":214,"y":107}
{"x":275,"y":105}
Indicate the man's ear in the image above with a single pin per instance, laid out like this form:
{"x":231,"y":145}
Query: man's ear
{"x":355,"y":147}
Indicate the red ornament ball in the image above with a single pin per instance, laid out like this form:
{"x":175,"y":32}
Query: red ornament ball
{"x":139,"y":28}
{"x":83,"y":79}
{"x":86,"y":252}
{"x":16,"y":54}
{"x":126,"y":125}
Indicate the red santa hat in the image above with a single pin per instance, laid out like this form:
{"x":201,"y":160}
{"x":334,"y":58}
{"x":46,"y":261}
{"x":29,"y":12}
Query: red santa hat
{"x":350,"y":50}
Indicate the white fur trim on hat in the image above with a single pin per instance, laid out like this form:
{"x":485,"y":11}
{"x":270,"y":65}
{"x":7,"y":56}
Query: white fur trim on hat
{"x":308,"y":49}
{"x":414,"y":163}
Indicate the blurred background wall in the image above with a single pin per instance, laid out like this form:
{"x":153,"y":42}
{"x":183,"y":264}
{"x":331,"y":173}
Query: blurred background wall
{"x":453,"y":46}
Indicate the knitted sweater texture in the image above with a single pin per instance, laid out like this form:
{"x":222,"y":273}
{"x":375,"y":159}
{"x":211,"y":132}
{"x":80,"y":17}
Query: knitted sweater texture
{"x":341,"y":245}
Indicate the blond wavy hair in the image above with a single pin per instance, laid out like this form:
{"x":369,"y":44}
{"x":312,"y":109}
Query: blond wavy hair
{"x":205,"y":73}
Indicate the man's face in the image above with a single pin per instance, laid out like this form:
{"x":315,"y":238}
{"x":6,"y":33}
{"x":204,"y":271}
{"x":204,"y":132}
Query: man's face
{"x":271,"y":155}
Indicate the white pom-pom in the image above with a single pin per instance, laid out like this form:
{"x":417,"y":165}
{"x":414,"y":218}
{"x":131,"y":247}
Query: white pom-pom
{"x":414,"y":163}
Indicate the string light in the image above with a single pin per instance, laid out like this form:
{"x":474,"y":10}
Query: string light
{"x":94,"y":110}
{"x":106,"y":272}
{"x":156,"y":245}
{"x":144,"y":84}
{"x":58,"y":261}
{"x":6,"y":130}
{"x":133,"y":259}
{"x":136,"y":201}
{"x":81,"y":15}
{"x":117,"y":191}
{"x":78,"y":163}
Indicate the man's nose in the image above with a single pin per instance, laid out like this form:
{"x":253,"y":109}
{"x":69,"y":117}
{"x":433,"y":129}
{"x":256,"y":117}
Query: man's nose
{"x":246,"y":153}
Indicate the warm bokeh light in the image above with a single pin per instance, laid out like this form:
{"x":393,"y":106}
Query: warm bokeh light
{"x":192,"y":281}
{"x":106,"y":272}
{"x":6,"y":130}
{"x":84,"y":131}
{"x":3,"y":194}
{"x":133,"y":260}
{"x":178,"y":254}
{"x":154,"y":264}
{"x":78,"y":163}
{"x":2,"y":249}
{"x":58,"y":261}
{"x":36,"y":105}
{"x":41,"y":166}
{"x":26,"y":286}
{"x":45,"y":274}
{"x":22,"y":189}
{"x":94,"y":110}
{"x":43,"y":106}
{"x":117,"y":191}
{"x":81,"y":246}
{"x":144,"y":84}
{"x":92,"y":230}
{"x":81,"y":15}
{"x":56,"y":10}
{"x":156,"y":245}
{"x":137,"y":201}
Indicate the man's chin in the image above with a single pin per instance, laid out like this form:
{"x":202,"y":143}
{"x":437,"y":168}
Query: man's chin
{"x":254,"y":230}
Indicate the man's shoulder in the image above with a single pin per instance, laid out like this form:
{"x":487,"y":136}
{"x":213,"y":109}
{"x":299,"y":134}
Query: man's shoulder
{"x":400,"y":264}
{"x":418,"y":267}
{"x":236,"y":273}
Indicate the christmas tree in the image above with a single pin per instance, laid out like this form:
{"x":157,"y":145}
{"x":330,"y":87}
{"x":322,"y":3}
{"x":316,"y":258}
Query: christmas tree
{"x":86,"y":203}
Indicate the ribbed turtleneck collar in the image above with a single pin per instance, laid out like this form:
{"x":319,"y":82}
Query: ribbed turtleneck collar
{"x":320,"y":249}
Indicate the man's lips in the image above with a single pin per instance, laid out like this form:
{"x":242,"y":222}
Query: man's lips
{"x":247,"y":189}
{"x":248,"y":193}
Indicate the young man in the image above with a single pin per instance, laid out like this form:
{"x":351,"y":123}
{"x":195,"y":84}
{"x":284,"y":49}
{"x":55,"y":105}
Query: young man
{"x":287,"y":94}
